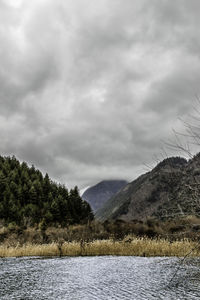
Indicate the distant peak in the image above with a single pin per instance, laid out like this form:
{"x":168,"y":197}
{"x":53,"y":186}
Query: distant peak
{"x":99,"y":193}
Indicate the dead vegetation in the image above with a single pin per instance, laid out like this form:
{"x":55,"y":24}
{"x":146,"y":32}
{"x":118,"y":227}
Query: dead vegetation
{"x":130,"y":246}
{"x":176,"y":229}
{"x":148,"y":237}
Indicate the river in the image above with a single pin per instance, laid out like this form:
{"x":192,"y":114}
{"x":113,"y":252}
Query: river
{"x":96,"y":278}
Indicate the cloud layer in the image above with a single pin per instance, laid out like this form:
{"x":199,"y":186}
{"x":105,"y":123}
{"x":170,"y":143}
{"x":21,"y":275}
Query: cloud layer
{"x":88,"y":89}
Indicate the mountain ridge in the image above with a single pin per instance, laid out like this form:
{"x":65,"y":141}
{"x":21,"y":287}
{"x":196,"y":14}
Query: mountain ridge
{"x":168,"y":190}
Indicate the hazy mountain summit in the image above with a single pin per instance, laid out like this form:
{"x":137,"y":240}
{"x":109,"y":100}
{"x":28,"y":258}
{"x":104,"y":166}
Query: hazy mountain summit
{"x":99,"y":194}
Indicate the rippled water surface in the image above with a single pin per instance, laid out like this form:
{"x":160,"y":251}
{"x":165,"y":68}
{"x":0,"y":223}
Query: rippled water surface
{"x":105,"y":277}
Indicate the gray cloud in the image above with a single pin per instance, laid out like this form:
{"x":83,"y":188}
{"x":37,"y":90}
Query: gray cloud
{"x":89,"y":89}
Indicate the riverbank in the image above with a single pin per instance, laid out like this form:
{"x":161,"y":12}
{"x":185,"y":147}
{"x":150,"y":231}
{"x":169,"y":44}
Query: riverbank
{"x":128,"y":247}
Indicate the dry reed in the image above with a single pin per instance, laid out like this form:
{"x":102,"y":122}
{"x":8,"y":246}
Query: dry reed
{"x":132,"y":246}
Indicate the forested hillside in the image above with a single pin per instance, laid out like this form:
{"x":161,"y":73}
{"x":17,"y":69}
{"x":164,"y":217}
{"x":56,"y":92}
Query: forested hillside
{"x":27,"y":197}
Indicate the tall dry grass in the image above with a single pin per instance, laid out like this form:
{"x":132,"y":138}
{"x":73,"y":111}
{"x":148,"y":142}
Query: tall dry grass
{"x":129,"y":246}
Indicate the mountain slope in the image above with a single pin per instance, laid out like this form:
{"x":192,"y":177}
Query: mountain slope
{"x":27,"y":198}
{"x":98,"y":194}
{"x":161,"y":192}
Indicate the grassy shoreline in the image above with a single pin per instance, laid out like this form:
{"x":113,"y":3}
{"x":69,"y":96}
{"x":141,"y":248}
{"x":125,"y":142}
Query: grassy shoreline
{"x":142,"y":238}
{"x":128,"y":247}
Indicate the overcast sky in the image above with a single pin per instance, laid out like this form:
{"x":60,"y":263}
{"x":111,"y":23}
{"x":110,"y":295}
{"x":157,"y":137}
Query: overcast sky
{"x":90,"y":88}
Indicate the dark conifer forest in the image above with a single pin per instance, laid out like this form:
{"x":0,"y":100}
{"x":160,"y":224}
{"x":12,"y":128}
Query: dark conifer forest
{"x":28,"y":198}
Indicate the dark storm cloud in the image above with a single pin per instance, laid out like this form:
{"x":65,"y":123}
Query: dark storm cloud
{"x":88,"y":89}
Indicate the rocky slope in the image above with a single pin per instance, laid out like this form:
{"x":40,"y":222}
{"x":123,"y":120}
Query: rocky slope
{"x":171,"y":189}
{"x":98,"y":194}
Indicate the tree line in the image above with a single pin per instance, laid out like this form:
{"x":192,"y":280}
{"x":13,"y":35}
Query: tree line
{"x":28,"y":198}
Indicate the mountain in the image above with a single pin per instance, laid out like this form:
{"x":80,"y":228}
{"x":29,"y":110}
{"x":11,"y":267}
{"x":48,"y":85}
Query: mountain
{"x":98,"y":194}
{"x":29,"y":198}
{"x":171,"y":189}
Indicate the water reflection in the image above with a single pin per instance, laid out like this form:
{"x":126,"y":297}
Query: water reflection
{"x":99,"y":278}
